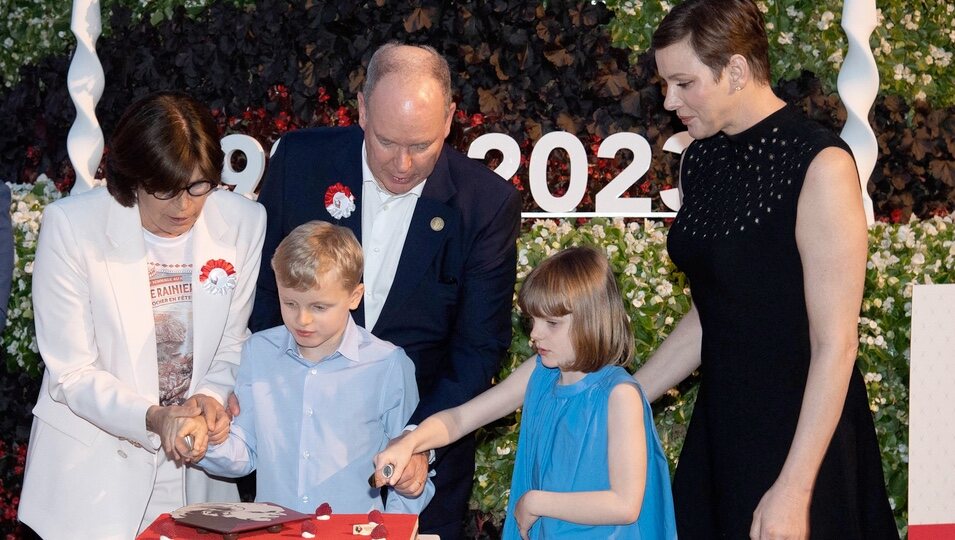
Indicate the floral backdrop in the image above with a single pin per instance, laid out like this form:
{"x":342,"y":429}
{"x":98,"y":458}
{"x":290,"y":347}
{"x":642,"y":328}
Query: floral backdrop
{"x":521,"y":68}
{"x":900,"y":256}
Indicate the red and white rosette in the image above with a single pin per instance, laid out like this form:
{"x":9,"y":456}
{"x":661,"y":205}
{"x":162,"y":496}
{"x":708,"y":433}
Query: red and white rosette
{"x":217,"y":276}
{"x":339,"y":201}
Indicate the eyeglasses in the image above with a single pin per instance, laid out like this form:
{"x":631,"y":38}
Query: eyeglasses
{"x":196,"y":189}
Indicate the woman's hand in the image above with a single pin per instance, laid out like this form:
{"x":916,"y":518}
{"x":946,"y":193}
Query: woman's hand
{"x":217,"y":418}
{"x":782,"y":514}
{"x":165,"y":422}
{"x":525,"y":517}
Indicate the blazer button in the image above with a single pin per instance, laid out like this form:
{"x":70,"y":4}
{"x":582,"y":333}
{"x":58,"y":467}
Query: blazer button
{"x":121,"y":453}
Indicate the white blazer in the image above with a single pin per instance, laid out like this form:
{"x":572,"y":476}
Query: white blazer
{"x":91,"y":464}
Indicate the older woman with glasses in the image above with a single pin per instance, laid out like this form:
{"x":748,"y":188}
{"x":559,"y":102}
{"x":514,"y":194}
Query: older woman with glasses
{"x":142,"y":292}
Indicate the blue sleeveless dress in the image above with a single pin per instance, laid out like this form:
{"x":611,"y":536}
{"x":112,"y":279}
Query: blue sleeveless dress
{"x":563,"y":447}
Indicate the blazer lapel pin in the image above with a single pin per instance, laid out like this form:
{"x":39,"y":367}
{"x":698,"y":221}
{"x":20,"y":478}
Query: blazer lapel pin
{"x":437,"y":224}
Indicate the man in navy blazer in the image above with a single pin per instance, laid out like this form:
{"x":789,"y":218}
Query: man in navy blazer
{"x":439,"y":240}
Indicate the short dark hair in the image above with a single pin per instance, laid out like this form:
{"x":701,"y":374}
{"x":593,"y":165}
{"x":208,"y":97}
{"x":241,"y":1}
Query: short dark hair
{"x":392,"y":57}
{"x":716,"y":30}
{"x":580,"y":282}
{"x":158,"y":144}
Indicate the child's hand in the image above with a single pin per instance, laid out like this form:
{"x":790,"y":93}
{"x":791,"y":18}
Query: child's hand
{"x":398,"y":453}
{"x":192,"y":438}
{"x":524,"y":516}
{"x":217,"y":417}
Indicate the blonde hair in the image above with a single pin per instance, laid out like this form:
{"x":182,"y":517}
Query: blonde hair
{"x":316,"y":248}
{"x":579,"y":281}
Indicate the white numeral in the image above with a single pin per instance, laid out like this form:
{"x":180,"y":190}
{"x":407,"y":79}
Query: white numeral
{"x":608,"y":199}
{"x":506,"y":145}
{"x":576,"y":185}
{"x":246,"y":180}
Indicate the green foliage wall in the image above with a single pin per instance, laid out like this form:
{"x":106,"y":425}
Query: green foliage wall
{"x":912,"y":43}
{"x":900,"y":256}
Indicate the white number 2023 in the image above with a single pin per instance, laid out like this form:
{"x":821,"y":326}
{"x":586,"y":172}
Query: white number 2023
{"x":607,"y":201}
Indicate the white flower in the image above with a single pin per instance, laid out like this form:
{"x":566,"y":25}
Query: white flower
{"x":825,"y":20}
{"x":665,"y":289}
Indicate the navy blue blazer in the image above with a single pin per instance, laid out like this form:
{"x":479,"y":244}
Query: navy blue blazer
{"x":451,"y":302}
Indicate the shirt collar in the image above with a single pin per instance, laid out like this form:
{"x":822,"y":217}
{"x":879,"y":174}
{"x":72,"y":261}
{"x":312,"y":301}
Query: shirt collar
{"x":349,"y":348}
{"x":373,"y":186}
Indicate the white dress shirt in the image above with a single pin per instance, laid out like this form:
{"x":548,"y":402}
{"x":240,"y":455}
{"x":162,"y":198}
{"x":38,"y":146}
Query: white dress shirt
{"x":385,"y":219}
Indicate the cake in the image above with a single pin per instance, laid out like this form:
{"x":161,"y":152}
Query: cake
{"x":266,"y":521}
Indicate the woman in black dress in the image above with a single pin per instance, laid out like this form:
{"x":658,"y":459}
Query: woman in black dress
{"x":772,"y":237}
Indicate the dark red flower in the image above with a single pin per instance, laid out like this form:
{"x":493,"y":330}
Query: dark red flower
{"x":281,"y":123}
{"x":477,"y":119}
{"x":896,"y":216}
{"x":343,"y":118}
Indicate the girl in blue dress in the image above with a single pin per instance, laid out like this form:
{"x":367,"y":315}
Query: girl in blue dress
{"x":587,"y":466}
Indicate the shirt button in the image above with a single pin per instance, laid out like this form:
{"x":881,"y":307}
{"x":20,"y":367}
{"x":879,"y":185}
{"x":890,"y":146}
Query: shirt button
{"x":121,"y":454}
{"x":314,"y":372}
{"x":305,"y":454}
{"x":305,"y":499}
{"x":385,"y":207}
{"x":377,"y":250}
{"x":308,"y":411}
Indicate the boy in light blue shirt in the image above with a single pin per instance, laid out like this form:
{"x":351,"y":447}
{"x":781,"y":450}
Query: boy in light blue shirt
{"x":320,"y":396}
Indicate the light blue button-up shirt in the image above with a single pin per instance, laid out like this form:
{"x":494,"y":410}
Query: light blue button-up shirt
{"x":311,"y":429}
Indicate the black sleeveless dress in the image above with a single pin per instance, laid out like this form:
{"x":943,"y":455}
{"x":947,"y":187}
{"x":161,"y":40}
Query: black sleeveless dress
{"x":735,"y":239}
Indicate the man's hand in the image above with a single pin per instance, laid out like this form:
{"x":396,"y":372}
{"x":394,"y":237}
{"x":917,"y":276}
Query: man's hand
{"x":415,"y":475}
{"x":164,"y":421}
{"x":217,"y":420}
